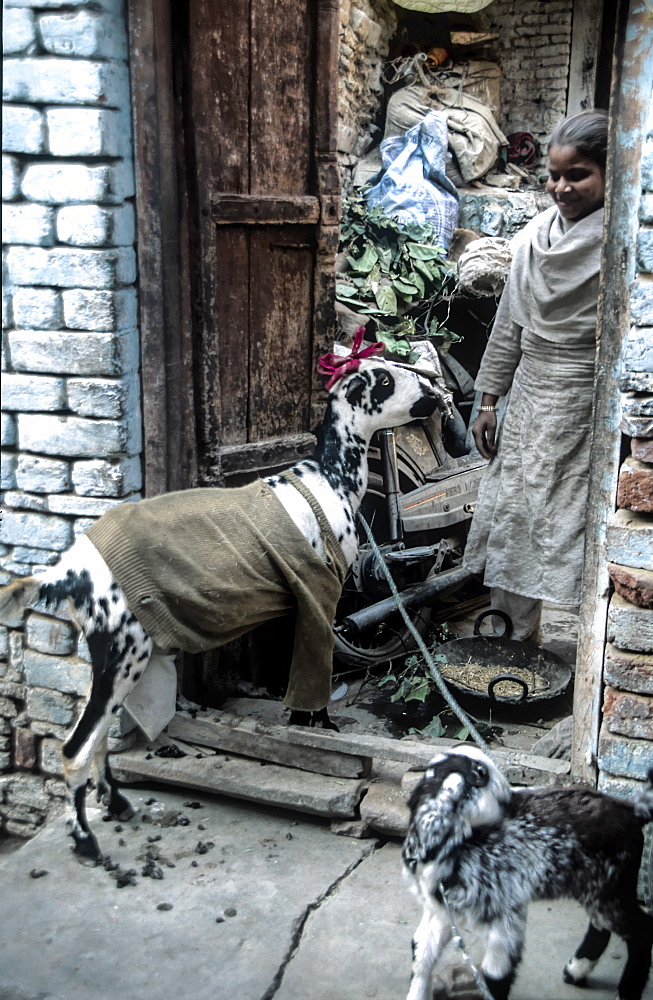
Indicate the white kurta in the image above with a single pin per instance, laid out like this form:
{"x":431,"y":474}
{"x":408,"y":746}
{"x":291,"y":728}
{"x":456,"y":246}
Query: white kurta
{"x":527,"y":534}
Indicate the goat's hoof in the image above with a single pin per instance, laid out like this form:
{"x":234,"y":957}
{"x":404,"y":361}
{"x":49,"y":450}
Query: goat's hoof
{"x":86,"y":849}
{"x":122,"y":810}
{"x":319,"y":718}
{"x":577,"y":970}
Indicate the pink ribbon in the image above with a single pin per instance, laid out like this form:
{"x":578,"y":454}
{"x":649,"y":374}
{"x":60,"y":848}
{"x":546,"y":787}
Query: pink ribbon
{"x":337,"y":366}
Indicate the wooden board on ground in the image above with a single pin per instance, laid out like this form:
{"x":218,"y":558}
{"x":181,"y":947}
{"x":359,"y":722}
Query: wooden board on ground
{"x":241,"y":778}
{"x":215,"y":729}
{"x":253,"y":738}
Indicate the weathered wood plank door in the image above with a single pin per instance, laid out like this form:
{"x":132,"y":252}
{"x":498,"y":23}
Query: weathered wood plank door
{"x":260,"y":154}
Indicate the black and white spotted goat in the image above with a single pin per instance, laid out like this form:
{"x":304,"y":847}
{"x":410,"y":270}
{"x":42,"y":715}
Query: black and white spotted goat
{"x":493,"y":849}
{"x":365,"y":395}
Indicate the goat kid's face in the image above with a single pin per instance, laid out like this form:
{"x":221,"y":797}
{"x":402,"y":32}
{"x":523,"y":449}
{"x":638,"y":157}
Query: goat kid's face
{"x":386,"y":395}
{"x":467,"y":777}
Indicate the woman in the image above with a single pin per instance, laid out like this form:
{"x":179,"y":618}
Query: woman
{"x":527,"y":534}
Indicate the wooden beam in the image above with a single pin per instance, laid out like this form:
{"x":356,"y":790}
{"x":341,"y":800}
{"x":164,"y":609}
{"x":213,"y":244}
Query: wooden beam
{"x":585,"y":43}
{"x":256,"y":209}
{"x":169,"y":448}
{"x":252,"y":738}
{"x":629,"y":108}
{"x":258,"y":456}
{"x":520,"y":768}
{"x":251,"y":780}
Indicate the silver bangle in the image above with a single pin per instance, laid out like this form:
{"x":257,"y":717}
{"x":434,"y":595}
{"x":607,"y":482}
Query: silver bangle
{"x":488,"y":409}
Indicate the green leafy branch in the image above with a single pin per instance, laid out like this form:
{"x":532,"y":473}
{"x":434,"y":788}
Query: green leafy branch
{"x":413,"y":682}
{"x":395,"y":273}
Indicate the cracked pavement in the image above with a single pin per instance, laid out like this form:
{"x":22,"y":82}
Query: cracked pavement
{"x":206,"y":898}
{"x":223,"y":912}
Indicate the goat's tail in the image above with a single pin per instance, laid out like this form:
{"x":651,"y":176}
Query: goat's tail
{"x":17,"y":596}
{"x":644,"y":800}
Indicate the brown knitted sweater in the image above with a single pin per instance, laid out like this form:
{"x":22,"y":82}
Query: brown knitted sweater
{"x":201,"y":567}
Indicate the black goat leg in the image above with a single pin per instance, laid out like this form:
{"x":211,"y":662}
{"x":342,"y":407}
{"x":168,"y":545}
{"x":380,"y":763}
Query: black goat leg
{"x":586,"y":955}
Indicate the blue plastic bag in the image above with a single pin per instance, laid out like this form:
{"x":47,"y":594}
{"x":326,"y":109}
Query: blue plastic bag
{"x":414,"y":187}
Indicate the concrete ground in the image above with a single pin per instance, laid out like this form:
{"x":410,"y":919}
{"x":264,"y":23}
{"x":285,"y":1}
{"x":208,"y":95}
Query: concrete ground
{"x":241,"y":903}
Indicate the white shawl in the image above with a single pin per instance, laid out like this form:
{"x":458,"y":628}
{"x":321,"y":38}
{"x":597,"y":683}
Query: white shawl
{"x":554,"y":276}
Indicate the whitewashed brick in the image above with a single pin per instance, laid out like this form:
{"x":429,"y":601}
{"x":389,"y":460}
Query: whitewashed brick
{"x":65,"y":503}
{"x":113,"y":398}
{"x":72,"y":183}
{"x":8,"y":470}
{"x":7,"y":305}
{"x":18,"y":30}
{"x":65,"y":81}
{"x":10,"y":177}
{"x":94,"y":225}
{"x":8,"y":429}
{"x":69,"y":675}
{"x":85,"y":34}
{"x":48,"y":635}
{"x":26,"y":501}
{"x":33,"y":392}
{"x":77,"y":436}
{"x":23,"y":129}
{"x":645,"y":250}
{"x":16,"y":569}
{"x":647,"y":166}
{"x":114,"y":6}
{"x":646,"y":208}
{"x":71,"y":268}
{"x":98,"y":478}
{"x":86,"y":309}
{"x":80,"y":527}
{"x":74,"y":352}
{"x":35,"y":557}
{"x":638,"y":349}
{"x":50,"y":760}
{"x":37,"y":309}
{"x":50,"y":706}
{"x":37,"y":474}
{"x":16,"y":644}
{"x":88,"y":132}
{"x":28,"y":223}
{"x":42,"y":530}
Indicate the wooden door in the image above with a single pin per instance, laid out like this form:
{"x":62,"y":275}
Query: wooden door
{"x":264,"y":207}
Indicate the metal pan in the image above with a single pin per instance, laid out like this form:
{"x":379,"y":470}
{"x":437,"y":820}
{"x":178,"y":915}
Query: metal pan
{"x":502,"y":669}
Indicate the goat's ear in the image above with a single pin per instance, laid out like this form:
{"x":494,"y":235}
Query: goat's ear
{"x":355,"y":389}
{"x":420,"y":768}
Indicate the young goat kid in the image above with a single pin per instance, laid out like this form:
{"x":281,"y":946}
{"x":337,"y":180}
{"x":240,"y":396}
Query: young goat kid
{"x":135,"y":585}
{"x":493,"y":849}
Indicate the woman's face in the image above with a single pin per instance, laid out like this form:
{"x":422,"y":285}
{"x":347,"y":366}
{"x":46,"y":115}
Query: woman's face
{"x":576,"y":184}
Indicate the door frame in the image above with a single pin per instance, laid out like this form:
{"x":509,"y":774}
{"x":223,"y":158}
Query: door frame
{"x":170,"y":438}
{"x":630,"y":97}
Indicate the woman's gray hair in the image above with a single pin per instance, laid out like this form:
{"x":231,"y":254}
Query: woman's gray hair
{"x":587,"y":131}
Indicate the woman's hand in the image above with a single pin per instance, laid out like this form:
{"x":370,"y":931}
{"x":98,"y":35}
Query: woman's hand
{"x":484,"y":430}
